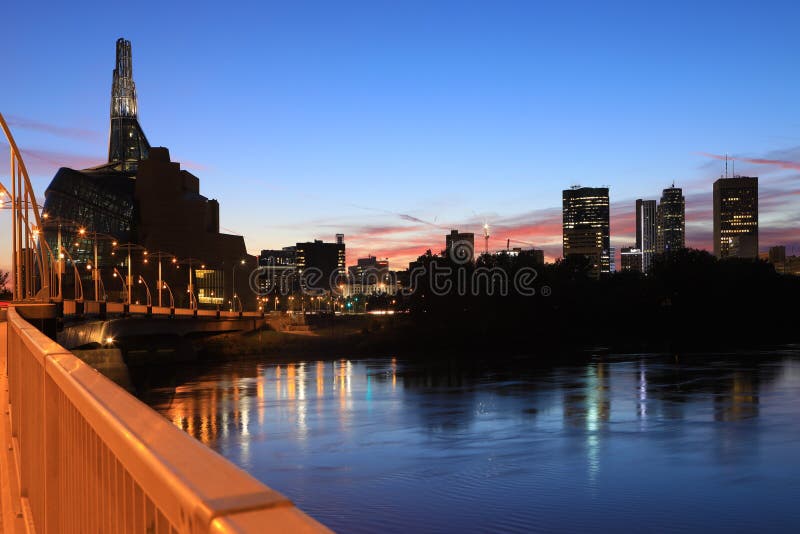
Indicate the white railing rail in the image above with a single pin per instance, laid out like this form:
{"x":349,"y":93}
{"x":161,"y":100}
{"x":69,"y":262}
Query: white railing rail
{"x":92,"y":458}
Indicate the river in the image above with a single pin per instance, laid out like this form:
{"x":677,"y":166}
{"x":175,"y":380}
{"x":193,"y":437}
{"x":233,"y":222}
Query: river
{"x":635,"y":443}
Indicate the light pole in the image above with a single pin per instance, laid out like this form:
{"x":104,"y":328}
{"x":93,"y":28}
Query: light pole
{"x":147,"y":289}
{"x":190,"y":287}
{"x":233,"y":282}
{"x":160,"y":256}
{"x":78,"y":283}
{"x":171,"y":297}
{"x":125,"y":290}
{"x":96,"y":270}
{"x":129,"y":278}
{"x":60,"y":223}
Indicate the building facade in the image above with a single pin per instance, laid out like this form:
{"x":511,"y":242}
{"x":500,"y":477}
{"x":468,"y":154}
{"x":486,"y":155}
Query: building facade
{"x":319,"y":264}
{"x":736,"y":217}
{"x":586,"y":226}
{"x":631,"y":259}
{"x":671,"y":221}
{"x":646,"y":231}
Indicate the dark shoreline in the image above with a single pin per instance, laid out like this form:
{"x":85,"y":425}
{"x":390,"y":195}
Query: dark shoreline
{"x":385,"y":339}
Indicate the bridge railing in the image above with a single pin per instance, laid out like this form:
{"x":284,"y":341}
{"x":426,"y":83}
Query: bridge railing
{"x":92,"y":458}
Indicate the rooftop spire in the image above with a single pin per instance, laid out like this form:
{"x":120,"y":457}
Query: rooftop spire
{"x":127,"y":144}
{"x":123,"y":90}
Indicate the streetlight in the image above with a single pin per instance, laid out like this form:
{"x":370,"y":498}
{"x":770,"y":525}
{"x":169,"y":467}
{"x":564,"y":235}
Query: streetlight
{"x":124,"y":285}
{"x":171,"y":297}
{"x":160,"y":255}
{"x":147,"y":289}
{"x":96,"y":272}
{"x":59,"y":222}
{"x":233,"y":282}
{"x":129,"y":278}
{"x":78,"y":283}
{"x":190,"y":287}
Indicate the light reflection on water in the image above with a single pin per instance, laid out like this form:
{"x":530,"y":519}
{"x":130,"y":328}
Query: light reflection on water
{"x":642,"y":443}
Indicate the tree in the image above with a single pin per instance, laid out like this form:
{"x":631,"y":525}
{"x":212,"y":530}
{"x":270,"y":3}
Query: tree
{"x":5,"y":293}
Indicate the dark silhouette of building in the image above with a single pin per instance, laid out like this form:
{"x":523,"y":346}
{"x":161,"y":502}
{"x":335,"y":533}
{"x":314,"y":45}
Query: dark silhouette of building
{"x":141,"y":197}
{"x":320,"y":264}
{"x":671,"y":221}
{"x":586,"y":226}
{"x":736,"y":217}
{"x":460,"y":246}
{"x":646,"y":231}
{"x":631,"y":259}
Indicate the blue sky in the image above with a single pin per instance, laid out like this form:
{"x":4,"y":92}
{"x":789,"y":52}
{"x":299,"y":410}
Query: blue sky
{"x":393,"y":121}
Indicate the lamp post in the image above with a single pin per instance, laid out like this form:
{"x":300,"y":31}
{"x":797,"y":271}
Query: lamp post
{"x":190,"y":287}
{"x":147,"y":290}
{"x":59,"y":223}
{"x":233,"y":281}
{"x":171,"y":297}
{"x":78,"y":283}
{"x":160,"y":256}
{"x":129,"y":278}
{"x":96,"y":271}
{"x":125,"y":291}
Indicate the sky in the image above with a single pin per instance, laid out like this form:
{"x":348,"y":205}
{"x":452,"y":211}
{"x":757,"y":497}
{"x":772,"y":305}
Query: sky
{"x":395,"y":121}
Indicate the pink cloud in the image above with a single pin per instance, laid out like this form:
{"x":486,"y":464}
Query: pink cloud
{"x":47,"y":162}
{"x":780,"y":163}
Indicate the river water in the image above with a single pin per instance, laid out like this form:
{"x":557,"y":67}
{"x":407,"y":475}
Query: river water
{"x":635,"y":443}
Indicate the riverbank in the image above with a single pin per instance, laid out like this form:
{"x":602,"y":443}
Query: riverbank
{"x":409,"y":337}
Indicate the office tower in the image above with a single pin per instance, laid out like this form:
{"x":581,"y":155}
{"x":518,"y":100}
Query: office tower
{"x":631,"y":259}
{"x":327,"y":259}
{"x":671,"y":221}
{"x":646,"y":231}
{"x":460,"y":246}
{"x":736,"y":217}
{"x":586,"y":226}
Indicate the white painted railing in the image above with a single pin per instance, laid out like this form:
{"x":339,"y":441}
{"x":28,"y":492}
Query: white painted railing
{"x":92,"y":458}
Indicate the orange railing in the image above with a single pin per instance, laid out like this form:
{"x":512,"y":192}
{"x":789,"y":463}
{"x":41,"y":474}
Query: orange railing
{"x":92,"y":458}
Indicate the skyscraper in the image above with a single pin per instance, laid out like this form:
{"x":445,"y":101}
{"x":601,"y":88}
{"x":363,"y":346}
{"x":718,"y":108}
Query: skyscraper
{"x":646,"y":231}
{"x":736,"y":217}
{"x":671,"y":221}
{"x":586,"y":226}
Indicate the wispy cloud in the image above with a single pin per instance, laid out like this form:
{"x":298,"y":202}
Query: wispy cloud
{"x":52,"y":129}
{"x":780,"y":163}
{"x":47,"y":162}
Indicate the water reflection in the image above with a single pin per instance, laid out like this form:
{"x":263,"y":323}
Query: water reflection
{"x":471,"y":447}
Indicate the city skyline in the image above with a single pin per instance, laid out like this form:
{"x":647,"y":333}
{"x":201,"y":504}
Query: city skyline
{"x":413,"y":161}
